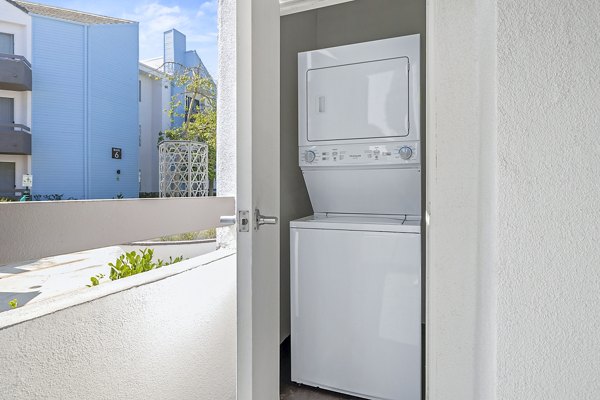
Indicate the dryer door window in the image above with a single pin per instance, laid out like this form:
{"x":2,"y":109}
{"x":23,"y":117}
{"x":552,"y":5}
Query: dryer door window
{"x":359,"y":101}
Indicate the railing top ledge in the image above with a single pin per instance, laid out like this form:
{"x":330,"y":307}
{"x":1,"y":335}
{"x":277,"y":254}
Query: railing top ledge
{"x":16,"y":127}
{"x":15,"y":57}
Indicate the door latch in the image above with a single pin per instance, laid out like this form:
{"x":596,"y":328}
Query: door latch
{"x":244,"y":221}
{"x":263,"y":220}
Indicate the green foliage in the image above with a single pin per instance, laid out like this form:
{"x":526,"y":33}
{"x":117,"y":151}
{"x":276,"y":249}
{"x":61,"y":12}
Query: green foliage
{"x":200,"y":121}
{"x":50,"y":197}
{"x":132,"y":263}
{"x":13,"y":303}
{"x":95,"y":280}
{"x":201,"y":235}
{"x":6,"y":200}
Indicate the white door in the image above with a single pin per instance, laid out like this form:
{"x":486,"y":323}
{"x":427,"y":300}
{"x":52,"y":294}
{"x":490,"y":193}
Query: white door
{"x":257,"y":43}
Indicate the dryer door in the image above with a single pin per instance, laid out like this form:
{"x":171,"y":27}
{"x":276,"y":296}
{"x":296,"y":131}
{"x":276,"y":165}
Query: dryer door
{"x":367,"y":100}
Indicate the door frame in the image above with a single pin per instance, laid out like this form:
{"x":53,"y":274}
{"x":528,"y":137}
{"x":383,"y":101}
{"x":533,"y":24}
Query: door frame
{"x":461,"y":91}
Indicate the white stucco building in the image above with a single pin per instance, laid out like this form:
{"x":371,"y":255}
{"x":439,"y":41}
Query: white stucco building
{"x":155,"y":95}
{"x":15,"y":97}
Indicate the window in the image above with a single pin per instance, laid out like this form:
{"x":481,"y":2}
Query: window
{"x":140,"y":91}
{"x":7,"y":43}
{"x":7,"y":110}
{"x":195,"y":106}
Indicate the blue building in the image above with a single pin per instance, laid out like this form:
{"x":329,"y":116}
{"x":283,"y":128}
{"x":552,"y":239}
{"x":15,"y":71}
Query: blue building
{"x":84,"y":103}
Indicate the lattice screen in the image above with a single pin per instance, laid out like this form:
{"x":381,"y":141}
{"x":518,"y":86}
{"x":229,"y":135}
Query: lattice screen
{"x":183,"y":168}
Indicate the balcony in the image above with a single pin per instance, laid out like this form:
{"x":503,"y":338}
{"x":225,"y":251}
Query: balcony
{"x":15,"y":139}
{"x":15,"y":73}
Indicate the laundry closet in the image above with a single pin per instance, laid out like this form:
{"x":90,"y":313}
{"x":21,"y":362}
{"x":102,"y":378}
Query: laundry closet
{"x":352,"y":196}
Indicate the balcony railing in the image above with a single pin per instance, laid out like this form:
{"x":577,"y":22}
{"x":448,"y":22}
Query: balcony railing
{"x":15,"y":72}
{"x":15,"y":139}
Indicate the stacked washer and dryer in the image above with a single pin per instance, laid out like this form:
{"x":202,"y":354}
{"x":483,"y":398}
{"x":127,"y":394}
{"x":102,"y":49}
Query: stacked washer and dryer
{"x":356,"y":263}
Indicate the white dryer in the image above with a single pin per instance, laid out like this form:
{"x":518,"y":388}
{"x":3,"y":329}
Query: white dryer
{"x":356,"y":263}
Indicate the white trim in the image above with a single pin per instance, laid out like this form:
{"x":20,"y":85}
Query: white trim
{"x":147,"y":69}
{"x":49,"y":228}
{"x":295,"y":6}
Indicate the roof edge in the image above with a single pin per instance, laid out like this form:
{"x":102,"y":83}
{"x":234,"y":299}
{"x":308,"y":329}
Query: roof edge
{"x":84,"y":13}
{"x":11,"y":2}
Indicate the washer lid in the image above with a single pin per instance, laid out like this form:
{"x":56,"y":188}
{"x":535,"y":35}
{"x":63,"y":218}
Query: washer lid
{"x":371,"y":223}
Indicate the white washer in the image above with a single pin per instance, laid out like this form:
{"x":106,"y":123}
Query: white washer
{"x":356,"y":264}
{"x":356,"y":313}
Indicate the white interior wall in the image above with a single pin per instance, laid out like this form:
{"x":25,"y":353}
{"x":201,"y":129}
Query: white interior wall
{"x":513,"y":194}
{"x":170,"y":339}
{"x":461,"y":188}
{"x":549,"y":186}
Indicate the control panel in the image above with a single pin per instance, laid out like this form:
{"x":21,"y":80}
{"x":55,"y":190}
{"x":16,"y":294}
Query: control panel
{"x":388,"y":153}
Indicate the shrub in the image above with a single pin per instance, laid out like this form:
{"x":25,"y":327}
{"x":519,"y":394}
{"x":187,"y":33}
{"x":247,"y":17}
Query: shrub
{"x":132,"y":263}
{"x":201,"y":235}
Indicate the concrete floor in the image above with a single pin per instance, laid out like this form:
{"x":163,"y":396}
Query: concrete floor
{"x":293,"y":391}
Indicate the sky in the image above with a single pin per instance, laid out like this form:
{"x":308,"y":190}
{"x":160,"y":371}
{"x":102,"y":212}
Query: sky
{"x":197,"y":19}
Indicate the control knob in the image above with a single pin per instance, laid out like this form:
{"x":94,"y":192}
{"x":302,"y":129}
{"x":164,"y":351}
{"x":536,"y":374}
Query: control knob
{"x":309,"y":156}
{"x":405,"y":153}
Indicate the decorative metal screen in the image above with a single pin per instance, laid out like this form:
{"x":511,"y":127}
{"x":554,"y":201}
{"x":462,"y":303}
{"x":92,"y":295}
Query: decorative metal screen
{"x":183,"y":168}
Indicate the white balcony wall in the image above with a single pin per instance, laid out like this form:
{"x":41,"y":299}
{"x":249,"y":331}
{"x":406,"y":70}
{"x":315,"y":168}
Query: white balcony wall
{"x":151,"y":123}
{"x":174,"y":338}
{"x":22,"y":105}
{"x":18,"y":23}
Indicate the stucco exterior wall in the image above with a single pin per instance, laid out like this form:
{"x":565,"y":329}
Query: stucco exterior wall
{"x":548,"y":169}
{"x":226,"y":113}
{"x":18,"y":23}
{"x":170,"y":339}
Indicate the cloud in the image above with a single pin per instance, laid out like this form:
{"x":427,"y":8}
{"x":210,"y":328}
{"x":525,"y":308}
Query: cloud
{"x":210,"y":5}
{"x":198,"y":23}
{"x":156,"y":18}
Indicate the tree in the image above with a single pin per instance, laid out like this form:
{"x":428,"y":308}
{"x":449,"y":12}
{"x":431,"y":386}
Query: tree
{"x":196,"y":106}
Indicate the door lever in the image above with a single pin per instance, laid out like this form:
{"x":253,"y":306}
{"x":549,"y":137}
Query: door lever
{"x":263,"y":220}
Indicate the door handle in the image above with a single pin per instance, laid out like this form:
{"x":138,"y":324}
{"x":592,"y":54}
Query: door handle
{"x":263,"y":219}
{"x":227,"y":220}
{"x":243,"y":220}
